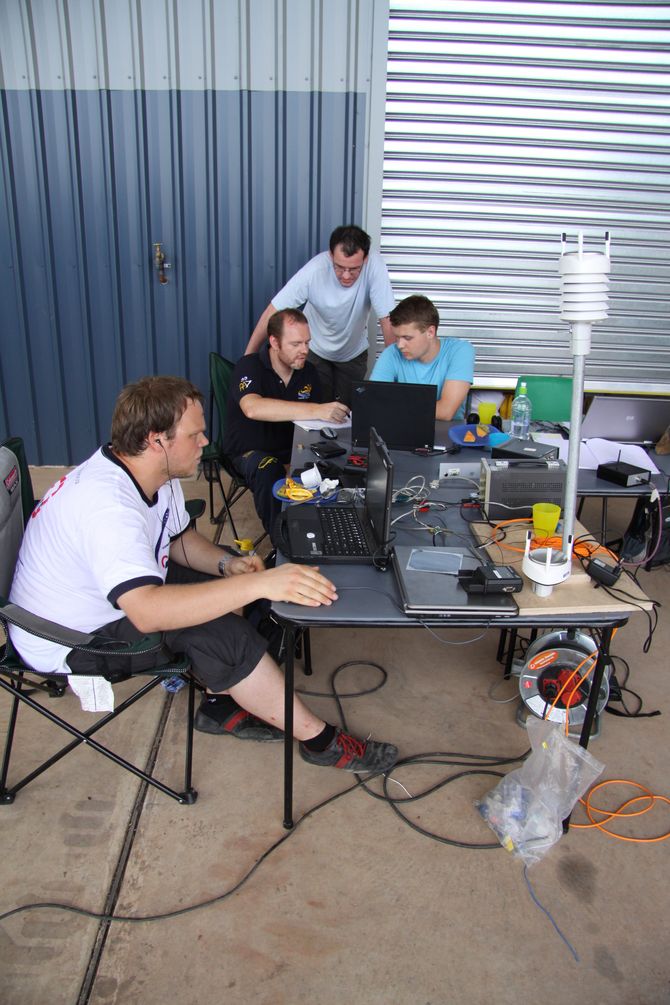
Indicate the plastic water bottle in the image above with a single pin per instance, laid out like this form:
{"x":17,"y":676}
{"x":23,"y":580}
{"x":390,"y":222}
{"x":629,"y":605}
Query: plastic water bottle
{"x":521,"y":415}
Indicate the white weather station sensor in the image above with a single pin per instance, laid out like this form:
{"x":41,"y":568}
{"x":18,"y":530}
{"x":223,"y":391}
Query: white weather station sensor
{"x":584,"y":288}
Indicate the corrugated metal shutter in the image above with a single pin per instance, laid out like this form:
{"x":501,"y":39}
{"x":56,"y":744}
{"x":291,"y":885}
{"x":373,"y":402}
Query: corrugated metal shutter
{"x":237,"y":134}
{"x":507,"y":124}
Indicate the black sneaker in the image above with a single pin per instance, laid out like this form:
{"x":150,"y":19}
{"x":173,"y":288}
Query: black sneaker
{"x":350,"y":754}
{"x":239,"y":723}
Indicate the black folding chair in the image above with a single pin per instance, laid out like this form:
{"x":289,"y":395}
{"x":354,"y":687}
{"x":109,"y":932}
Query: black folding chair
{"x":27,"y":688}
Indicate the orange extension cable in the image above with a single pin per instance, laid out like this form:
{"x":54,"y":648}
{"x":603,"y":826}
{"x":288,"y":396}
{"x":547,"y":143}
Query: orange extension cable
{"x":648,"y":796}
{"x":583,"y":549}
{"x":610,"y":815}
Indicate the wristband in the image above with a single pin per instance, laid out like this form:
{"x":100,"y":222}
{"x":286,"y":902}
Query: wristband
{"x":222,"y":565}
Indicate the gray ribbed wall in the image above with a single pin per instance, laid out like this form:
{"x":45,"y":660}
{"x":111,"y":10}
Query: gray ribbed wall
{"x":506,"y":124}
{"x":237,"y":133}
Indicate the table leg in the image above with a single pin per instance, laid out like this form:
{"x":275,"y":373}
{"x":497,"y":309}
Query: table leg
{"x":511,"y":647}
{"x":502,"y":639}
{"x":603,"y":521}
{"x":289,"y":673}
{"x":307,"y":652}
{"x":596,"y":681}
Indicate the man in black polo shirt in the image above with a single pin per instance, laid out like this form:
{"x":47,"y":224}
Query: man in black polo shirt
{"x":268,"y":390}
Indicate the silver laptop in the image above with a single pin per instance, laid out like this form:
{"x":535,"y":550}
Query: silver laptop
{"x":626,"y":419}
{"x":429,"y":587}
{"x":332,"y":533}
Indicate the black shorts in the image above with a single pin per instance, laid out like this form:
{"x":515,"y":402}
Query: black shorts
{"x":222,"y":652}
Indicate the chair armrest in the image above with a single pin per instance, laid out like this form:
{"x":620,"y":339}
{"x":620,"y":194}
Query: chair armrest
{"x":195,"y":508}
{"x":97,"y":645}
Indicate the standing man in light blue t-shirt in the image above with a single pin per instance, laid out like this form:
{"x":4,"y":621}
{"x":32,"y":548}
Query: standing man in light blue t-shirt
{"x":420,"y":357}
{"x":336,"y":291}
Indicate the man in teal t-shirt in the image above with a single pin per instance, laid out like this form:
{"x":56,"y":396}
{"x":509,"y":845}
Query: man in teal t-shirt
{"x":420,"y":357}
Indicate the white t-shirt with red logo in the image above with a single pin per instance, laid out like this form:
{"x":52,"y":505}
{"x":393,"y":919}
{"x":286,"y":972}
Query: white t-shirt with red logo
{"x":92,"y":537}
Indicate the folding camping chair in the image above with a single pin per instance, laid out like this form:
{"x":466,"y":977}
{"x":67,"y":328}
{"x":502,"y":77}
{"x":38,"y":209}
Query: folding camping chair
{"x":25,"y":687}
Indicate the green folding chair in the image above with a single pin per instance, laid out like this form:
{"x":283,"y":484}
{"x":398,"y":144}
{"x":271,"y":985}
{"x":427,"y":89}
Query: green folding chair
{"x":214,"y":458}
{"x":551,"y":397}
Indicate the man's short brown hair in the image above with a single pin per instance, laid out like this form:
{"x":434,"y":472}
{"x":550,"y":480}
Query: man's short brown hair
{"x":277,"y":320}
{"x":352,"y":239}
{"x":415,"y":310}
{"x":149,"y":405}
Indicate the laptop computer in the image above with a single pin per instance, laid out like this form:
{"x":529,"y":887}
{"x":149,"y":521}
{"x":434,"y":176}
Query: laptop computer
{"x":329,"y":533}
{"x":626,"y":419}
{"x":427,"y":591}
{"x":402,"y":414}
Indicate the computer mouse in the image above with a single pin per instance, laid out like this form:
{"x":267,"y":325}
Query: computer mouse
{"x":330,"y":434}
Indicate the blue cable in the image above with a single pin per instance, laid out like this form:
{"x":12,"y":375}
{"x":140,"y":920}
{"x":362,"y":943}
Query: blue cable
{"x":548,"y":914}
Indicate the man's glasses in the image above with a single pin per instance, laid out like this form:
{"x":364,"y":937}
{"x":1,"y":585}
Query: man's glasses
{"x":341,"y":270}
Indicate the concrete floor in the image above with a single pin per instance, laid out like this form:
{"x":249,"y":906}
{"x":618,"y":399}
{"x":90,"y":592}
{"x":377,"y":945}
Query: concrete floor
{"x":354,"y":905}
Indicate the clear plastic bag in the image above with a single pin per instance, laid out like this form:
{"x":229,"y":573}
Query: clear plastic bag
{"x":527,"y":808}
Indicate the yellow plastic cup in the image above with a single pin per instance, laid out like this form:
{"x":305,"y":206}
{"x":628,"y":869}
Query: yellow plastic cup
{"x":545,"y":518}
{"x":486,"y":411}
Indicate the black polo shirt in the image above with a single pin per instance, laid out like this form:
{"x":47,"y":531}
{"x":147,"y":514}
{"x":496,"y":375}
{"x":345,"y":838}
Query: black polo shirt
{"x":253,"y":374}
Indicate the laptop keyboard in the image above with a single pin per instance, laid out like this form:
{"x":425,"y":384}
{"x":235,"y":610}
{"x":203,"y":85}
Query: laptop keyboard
{"x":342,"y":532}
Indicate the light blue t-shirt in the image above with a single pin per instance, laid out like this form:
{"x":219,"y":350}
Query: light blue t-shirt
{"x":454,"y":361}
{"x":338,"y":315}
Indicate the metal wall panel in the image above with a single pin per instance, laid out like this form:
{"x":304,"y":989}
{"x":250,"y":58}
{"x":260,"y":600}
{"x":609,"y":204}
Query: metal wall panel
{"x":507,"y":124}
{"x":236,"y":132}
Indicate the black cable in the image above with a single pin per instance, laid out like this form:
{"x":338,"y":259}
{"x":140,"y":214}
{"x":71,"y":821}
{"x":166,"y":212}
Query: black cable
{"x":163,"y":916}
{"x":627,"y":713}
{"x":652,"y":616}
{"x":392,"y":801}
{"x":484,"y":765}
{"x":180,"y":536}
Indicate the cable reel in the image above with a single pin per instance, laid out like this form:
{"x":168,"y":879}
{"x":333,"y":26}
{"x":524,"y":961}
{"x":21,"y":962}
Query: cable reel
{"x":550,"y":661}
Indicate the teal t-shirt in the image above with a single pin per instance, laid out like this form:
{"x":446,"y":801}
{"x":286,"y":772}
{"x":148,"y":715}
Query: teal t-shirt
{"x":454,"y":361}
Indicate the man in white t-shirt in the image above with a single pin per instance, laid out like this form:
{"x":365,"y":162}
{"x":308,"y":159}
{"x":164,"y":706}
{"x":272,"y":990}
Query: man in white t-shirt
{"x":420,"y":357}
{"x":109,"y":549}
{"x":338,"y":288}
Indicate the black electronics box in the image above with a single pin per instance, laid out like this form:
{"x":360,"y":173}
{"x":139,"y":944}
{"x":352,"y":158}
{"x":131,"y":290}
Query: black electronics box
{"x":491,"y":579}
{"x":519,"y":449}
{"x":623,"y":474}
{"x":325,"y":449}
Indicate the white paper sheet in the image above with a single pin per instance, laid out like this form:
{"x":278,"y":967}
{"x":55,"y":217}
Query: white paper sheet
{"x":321,"y":424}
{"x":596,"y":451}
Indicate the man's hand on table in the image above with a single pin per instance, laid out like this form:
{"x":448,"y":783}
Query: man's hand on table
{"x":299,"y":584}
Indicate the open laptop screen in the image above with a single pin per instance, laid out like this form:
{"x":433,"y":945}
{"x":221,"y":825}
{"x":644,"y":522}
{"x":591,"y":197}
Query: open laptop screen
{"x":627,"y":419}
{"x":379,"y":488}
{"x":402,"y":414}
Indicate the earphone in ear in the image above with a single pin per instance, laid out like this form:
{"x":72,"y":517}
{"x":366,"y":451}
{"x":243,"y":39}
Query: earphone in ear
{"x":159,"y":441}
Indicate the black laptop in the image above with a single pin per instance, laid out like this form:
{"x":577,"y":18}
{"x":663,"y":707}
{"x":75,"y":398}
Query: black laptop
{"x":333,"y":533}
{"x":402,"y":414}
